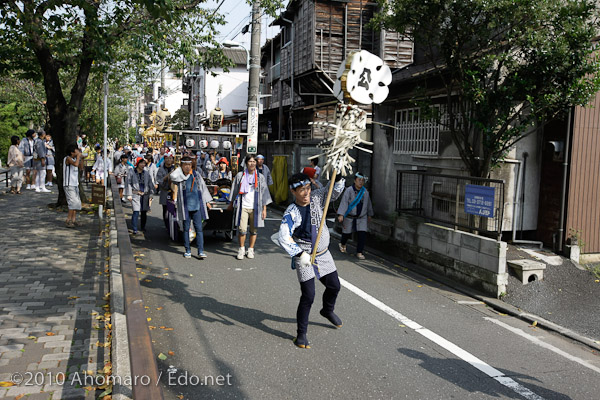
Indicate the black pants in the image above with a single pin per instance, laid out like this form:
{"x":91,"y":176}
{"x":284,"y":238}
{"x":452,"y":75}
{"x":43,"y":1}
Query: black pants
{"x":165,"y":216}
{"x":332,"y":288}
{"x":361,"y":237}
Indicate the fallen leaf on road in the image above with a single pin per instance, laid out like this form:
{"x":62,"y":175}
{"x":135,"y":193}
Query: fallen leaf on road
{"x":159,"y":308}
{"x":6,"y":384}
{"x":168,"y":329}
{"x":165,"y":274}
{"x":180,"y":397}
{"x":151,"y":327}
{"x":162,"y":356}
{"x":534,"y":323}
{"x":409,"y":290}
{"x":149,"y":319}
{"x":73,"y":297}
{"x":31,"y":337}
{"x":50,"y":333}
{"x":402,"y":326}
{"x":19,"y":397}
{"x":191,"y":275}
{"x":419,"y":285}
{"x":171,"y":353}
{"x":597,"y":281}
{"x":147,"y":280}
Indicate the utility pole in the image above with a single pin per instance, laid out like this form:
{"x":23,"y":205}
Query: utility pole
{"x":105,"y":131}
{"x":254,"y":78}
{"x":162,"y":93}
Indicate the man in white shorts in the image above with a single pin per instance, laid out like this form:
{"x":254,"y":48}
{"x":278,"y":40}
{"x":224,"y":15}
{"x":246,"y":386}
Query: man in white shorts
{"x":71,"y":166}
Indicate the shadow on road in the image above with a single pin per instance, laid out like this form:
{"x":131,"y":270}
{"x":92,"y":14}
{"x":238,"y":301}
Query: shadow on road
{"x":453,"y":371}
{"x":208,"y":309}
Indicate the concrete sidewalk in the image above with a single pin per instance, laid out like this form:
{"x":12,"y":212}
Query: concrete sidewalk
{"x":53,"y":286}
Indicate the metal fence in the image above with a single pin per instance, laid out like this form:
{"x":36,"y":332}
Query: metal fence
{"x":441,"y":198}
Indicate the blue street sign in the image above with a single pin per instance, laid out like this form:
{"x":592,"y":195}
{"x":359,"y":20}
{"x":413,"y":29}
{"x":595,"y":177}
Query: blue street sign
{"x":479,"y":200}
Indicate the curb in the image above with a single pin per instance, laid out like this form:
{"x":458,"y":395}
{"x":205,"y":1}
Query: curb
{"x":496,"y":304}
{"x":120,"y":343}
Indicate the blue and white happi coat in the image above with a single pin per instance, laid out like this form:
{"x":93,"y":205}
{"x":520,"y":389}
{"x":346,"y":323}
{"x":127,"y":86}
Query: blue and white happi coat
{"x":292,"y":219}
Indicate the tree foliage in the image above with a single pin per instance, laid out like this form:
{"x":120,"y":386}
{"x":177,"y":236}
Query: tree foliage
{"x":505,"y":65}
{"x":21,"y":107}
{"x":62,"y":42}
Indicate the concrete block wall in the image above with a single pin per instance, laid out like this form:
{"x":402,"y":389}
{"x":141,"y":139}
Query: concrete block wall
{"x":473,"y":260}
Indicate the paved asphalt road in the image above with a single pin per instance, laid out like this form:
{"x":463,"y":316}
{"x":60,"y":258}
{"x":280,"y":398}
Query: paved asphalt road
{"x":404,"y":336}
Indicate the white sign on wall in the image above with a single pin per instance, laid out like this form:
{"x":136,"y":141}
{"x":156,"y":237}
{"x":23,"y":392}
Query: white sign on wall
{"x":252,"y":146}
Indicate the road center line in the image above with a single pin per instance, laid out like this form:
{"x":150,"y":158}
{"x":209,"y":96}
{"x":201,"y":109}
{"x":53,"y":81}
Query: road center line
{"x":449,"y":346}
{"x":543,"y":344}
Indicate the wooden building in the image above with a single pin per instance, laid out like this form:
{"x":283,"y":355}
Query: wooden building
{"x":301,"y":62}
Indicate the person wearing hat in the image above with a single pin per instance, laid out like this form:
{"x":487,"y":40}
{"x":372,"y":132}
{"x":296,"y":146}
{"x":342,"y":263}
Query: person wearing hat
{"x":311,"y":172}
{"x":297,"y":235}
{"x":263,"y":169}
{"x":354,"y":213}
{"x":222,"y":171}
{"x":139,"y":187}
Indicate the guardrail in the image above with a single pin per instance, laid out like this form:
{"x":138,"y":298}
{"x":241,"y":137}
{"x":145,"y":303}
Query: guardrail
{"x":5,"y":172}
{"x":143,"y":362}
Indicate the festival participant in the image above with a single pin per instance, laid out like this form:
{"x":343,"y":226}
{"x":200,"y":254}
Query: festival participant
{"x":250,"y":196}
{"x":162,"y":179}
{"x":193,"y":203}
{"x":354,"y":212}
{"x":139,"y":188}
{"x":263,"y":169}
{"x":297,"y":235}
{"x":222,"y":171}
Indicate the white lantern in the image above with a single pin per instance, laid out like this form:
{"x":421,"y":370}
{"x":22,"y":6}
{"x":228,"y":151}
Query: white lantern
{"x":214,"y":144}
{"x":189,"y":142}
{"x":204,"y":144}
{"x":227,"y":145}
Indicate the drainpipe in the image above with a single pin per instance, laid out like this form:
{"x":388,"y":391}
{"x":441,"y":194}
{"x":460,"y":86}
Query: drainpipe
{"x":563,"y":194}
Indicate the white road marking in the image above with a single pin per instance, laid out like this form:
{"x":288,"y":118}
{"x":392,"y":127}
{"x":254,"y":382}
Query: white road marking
{"x":469,"y":302}
{"x":543,"y":344}
{"x":449,"y":346}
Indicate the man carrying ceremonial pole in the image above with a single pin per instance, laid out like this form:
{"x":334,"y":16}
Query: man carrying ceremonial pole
{"x":362,"y":78}
{"x":297,"y":235}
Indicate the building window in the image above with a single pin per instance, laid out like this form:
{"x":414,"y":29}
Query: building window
{"x":415,"y":134}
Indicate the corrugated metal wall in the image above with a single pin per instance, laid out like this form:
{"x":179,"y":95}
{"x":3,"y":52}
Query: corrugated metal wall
{"x":583,"y":212}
